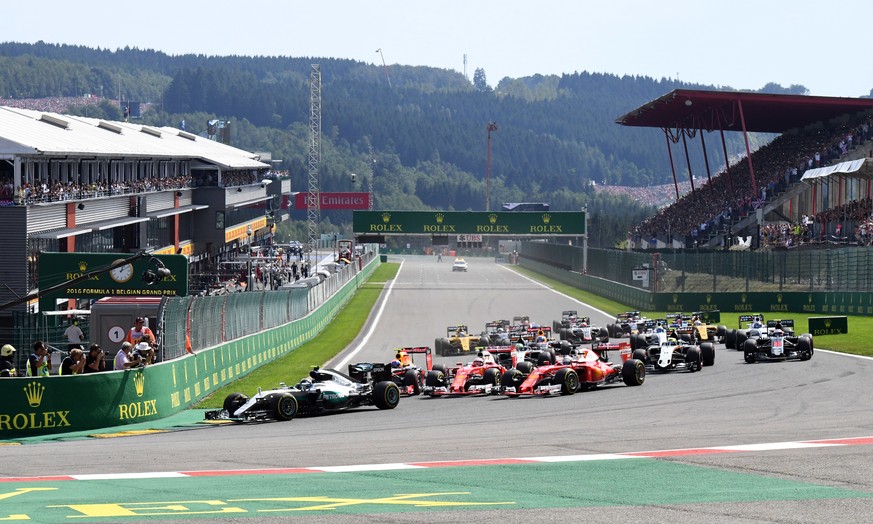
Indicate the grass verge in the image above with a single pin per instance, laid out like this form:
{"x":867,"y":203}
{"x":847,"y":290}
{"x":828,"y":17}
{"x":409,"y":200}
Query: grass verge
{"x":296,"y":365}
{"x":855,"y":342}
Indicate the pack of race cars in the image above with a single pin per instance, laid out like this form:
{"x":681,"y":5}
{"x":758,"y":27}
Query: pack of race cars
{"x":520,"y":358}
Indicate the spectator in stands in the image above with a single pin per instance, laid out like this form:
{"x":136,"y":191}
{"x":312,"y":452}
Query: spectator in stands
{"x":94,"y":360}
{"x":39,"y":363}
{"x":74,"y":363}
{"x":125,"y":358}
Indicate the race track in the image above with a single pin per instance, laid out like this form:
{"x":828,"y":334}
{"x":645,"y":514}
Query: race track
{"x":729,"y":404}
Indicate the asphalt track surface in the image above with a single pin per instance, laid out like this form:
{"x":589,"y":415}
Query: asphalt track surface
{"x":729,"y":404}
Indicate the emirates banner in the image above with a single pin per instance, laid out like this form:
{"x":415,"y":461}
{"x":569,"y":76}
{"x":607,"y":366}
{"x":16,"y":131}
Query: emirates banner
{"x":331,"y":201}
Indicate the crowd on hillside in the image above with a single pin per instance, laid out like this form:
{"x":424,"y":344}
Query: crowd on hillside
{"x":730,"y":196}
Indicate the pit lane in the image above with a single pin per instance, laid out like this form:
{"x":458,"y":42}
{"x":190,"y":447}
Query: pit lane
{"x":731,"y":403}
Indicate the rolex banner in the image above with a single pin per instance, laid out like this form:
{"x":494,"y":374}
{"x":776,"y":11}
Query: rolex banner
{"x":550,"y":223}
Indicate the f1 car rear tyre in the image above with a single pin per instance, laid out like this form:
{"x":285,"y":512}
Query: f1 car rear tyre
{"x":707,"y":353}
{"x":438,"y":347}
{"x":568,"y":379}
{"x":610,"y":328}
{"x":545,"y":358}
{"x":435,"y":379}
{"x":804,"y":347}
{"x":604,"y":335}
{"x":524,"y":367}
{"x":641,"y":341}
{"x":412,"y":377}
{"x":730,"y":339}
{"x":641,"y":354}
{"x":439,"y":367}
{"x":386,"y":395}
{"x":741,"y":337}
{"x":234,"y":401}
{"x":283,"y":406}
{"x":720,"y":332}
{"x":686,"y":337}
{"x":692,"y":359}
{"x":633,"y":372}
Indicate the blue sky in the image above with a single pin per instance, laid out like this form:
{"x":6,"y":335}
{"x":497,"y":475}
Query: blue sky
{"x":743,"y":43}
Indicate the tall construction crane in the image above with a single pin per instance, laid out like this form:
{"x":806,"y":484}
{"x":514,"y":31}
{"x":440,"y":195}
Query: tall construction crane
{"x":313,"y":210}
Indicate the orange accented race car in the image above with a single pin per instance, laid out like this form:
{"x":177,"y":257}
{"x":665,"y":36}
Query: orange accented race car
{"x":403,"y":370}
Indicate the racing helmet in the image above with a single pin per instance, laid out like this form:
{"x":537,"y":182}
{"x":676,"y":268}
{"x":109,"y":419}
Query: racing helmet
{"x":395,"y":363}
{"x":778,"y":333}
{"x":478,"y":361}
{"x":305,"y":384}
{"x":584,"y":324}
{"x":541,"y":338}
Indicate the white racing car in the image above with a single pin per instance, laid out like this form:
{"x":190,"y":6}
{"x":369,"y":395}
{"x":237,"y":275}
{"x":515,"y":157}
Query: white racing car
{"x":326,"y":390}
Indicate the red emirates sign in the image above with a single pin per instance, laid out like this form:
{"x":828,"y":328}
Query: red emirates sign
{"x":359,"y":201}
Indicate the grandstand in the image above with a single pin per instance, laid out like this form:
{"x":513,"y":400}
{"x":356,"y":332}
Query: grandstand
{"x":810,"y":185}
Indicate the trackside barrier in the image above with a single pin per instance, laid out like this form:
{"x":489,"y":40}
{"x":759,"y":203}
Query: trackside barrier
{"x":843,"y":303}
{"x":57,"y":404}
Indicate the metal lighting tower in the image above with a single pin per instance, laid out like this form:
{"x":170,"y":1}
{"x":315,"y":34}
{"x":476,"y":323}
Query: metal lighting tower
{"x":384,"y":66}
{"x":312,"y":197}
{"x":492,"y":126}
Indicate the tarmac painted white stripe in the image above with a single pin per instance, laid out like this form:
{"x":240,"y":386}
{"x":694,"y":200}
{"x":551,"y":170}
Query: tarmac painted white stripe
{"x":397,"y":466}
{"x":775,"y":446}
{"x":131,"y":476}
{"x":348,"y":358}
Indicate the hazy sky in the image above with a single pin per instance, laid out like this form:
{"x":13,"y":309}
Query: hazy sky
{"x":744,"y":44}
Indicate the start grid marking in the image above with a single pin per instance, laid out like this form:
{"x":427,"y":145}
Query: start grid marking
{"x":773,"y":446}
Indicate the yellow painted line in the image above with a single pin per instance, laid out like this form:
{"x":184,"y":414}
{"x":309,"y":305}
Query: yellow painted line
{"x":216,"y":422}
{"x":10,"y":443}
{"x":128,"y":433}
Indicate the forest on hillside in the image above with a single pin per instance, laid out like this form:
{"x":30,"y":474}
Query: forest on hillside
{"x":420,"y":141}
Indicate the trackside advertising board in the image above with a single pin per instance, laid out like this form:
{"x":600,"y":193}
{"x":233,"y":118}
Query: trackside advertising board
{"x":551,"y":223}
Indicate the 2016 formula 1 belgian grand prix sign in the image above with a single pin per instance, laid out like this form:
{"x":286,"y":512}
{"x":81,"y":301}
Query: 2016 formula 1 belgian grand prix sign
{"x":548,"y":223}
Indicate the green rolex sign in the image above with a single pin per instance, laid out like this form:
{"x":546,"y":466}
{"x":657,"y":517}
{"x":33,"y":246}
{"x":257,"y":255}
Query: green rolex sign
{"x":828,"y":325}
{"x":546,"y":223}
{"x":142,"y":275}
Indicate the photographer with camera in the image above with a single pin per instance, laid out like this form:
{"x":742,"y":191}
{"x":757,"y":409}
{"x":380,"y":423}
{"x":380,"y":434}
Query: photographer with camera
{"x":126,"y":358}
{"x":94,"y":360}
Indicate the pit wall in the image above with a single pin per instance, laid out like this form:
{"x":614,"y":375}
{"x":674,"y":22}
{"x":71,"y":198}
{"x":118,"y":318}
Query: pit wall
{"x":56,"y":404}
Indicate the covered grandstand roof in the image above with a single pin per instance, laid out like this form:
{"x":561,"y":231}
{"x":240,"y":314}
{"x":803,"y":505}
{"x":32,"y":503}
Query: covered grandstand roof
{"x":713,"y":110}
{"x":26,"y":132}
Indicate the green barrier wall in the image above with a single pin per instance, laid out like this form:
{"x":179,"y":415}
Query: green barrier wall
{"x":55,"y":404}
{"x":844,"y":303}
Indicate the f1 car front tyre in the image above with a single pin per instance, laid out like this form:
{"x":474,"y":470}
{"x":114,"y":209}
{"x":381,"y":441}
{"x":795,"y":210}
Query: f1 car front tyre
{"x":633,"y":372}
{"x":804,"y":347}
{"x":692,"y":359}
{"x":435,"y":378}
{"x":491,"y":376}
{"x":233,"y":402}
{"x":386,"y":395}
{"x":283,"y":406}
{"x":512,"y":378}
{"x":641,"y":354}
{"x":524,"y":367}
{"x":707,"y":353}
{"x":568,"y":379}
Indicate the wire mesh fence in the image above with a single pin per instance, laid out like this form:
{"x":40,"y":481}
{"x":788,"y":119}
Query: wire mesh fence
{"x":824,"y":268}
